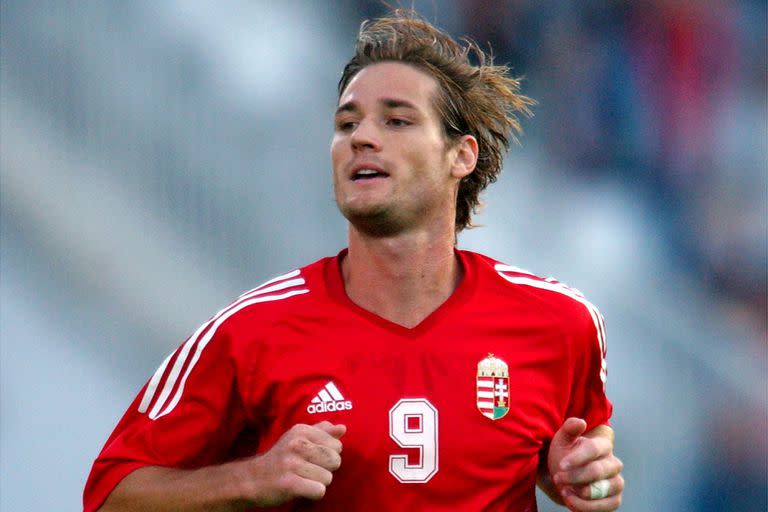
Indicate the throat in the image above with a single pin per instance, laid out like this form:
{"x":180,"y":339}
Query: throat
{"x":403,"y":294}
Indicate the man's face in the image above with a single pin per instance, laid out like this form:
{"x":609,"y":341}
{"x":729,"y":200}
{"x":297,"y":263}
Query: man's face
{"x":391,"y":162}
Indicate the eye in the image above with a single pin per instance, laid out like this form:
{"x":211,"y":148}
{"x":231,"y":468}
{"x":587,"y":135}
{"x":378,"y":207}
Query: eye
{"x":398,"y":122}
{"x":345,"y":126}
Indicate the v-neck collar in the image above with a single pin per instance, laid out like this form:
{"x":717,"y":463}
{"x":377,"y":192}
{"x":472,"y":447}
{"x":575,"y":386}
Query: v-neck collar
{"x":335,"y":283}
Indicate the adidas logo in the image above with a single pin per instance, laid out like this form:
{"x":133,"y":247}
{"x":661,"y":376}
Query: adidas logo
{"x":329,"y":399}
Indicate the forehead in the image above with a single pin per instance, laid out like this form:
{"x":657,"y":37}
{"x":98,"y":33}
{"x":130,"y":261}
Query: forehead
{"x":391,"y":80}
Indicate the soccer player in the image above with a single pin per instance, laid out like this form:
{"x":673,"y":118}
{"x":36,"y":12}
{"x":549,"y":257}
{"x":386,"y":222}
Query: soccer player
{"x":403,"y":373}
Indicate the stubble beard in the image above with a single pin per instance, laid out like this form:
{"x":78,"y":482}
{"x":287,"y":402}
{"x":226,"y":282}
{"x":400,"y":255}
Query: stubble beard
{"x":376,"y":221}
{"x":388,"y":218}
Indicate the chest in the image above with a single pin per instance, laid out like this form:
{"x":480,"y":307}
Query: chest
{"x":472,"y":398}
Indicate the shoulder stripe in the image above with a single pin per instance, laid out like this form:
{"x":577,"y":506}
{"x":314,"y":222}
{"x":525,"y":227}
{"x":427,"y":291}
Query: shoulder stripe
{"x":283,"y":277}
{"x":500,"y":267}
{"x":201,"y":337}
{"x":554,"y":286}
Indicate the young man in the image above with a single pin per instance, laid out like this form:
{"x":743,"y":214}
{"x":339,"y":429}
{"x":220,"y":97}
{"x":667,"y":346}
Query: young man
{"x":451,"y":381}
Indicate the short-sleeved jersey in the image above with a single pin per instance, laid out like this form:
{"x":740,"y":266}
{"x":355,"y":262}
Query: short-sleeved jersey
{"x":449,"y":415}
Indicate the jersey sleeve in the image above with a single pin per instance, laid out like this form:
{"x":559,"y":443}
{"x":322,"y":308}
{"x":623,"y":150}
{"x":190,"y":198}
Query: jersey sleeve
{"x":589,"y":371}
{"x":186,"y":416}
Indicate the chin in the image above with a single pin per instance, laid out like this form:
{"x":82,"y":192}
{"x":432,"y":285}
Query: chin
{"x":377,"y":222}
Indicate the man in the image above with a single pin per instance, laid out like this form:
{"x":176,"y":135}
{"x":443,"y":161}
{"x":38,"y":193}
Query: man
{"x":402,"y":374}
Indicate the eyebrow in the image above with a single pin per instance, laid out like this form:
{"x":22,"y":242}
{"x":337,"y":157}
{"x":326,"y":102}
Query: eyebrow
{"x":389,"y":103}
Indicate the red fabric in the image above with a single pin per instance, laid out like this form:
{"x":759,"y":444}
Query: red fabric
{"x":265,"y":363}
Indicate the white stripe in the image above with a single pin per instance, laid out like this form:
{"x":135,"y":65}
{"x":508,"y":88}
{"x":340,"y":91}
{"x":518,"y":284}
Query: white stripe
{"x":325,"y":396}
{"x":485,"y":394}
{"x":176,"y":370}
{"x":482,"y":384}
{"x":149,"y":393}
{"x":274,"y":288}
{"x":334,"y":391}
{"x":597,"y":318}
{"x":204,"y":341}
{"x":564,"y":285}
{"x":602,"y":332}
{"x":184,"y":353}
{"x":484,"y":404}
{"x":500,"y":267}
{"x":283,"y":277}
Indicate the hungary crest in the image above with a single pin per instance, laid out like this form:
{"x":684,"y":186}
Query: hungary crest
{"x":493,"y":387}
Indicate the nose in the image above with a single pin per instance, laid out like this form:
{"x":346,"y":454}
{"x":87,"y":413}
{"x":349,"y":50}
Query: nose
{"x":365,"y":136}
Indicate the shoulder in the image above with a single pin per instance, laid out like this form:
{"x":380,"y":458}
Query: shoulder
{"x":543,"y":293}
{"x":223,"y":343}
{"x":283,"y":296}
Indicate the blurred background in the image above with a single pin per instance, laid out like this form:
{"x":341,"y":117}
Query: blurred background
{"x":159,"y":158}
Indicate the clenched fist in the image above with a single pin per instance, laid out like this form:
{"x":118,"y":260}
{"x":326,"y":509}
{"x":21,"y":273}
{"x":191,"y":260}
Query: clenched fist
{"x":299,"y":465}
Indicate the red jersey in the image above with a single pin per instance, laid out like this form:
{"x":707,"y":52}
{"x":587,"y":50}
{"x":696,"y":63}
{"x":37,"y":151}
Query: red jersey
{"x":448,"y":415}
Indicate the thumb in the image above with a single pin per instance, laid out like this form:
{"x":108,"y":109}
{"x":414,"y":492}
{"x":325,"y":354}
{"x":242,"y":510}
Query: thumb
{"x":569,"y":432}
{"x":335,"y":431}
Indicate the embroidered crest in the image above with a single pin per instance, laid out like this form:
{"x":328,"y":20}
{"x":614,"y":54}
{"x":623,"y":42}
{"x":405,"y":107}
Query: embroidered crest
{"x":493,"y":387}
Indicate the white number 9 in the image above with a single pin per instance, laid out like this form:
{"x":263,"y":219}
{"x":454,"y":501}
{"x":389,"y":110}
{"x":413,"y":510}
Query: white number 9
{"x":413,"y":424}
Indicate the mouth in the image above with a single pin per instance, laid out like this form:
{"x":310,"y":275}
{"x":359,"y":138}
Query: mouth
{"x":368,"y":174}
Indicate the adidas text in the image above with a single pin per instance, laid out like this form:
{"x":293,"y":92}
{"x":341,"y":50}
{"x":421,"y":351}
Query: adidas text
{"x":340,"y":405}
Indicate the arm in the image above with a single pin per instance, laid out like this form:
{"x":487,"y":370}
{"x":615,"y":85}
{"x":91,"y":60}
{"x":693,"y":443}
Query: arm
{"x":574,"y":460}
{"x":300,"y":464}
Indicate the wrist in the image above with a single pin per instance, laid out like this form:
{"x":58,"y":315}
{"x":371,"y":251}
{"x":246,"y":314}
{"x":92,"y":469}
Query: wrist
{"x":548,"y":487}
{"x":244,"y":486}
{"x":544,"y":477}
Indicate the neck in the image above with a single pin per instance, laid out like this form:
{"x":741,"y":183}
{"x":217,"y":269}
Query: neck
{"x":403,"y":278}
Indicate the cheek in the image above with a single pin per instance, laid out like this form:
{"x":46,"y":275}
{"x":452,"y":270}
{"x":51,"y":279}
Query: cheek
{"x":429,"y":159}
{"x":337,"y":152}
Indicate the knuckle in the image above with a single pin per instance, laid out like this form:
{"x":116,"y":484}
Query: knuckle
{"x":291,"y":465}
{"x":286,"y":484}
{"x":588,"y":475}
{"x":594,"y":447}
{"x":315,"y":490}
{"x":299,"y":428}
{"x":335,"y":462}
{"x":605,"y":467}
{"x":298,"y":445}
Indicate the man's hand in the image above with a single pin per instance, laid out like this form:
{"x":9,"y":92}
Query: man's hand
{"x":583,"y":468}
{"x":299,"y":465}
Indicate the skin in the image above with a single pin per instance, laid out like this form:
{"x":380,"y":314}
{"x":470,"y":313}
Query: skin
{"x":400,"y":263}
{"x":575,"y":459}
{"x":401,"y":266}
{"x":299,"y":465}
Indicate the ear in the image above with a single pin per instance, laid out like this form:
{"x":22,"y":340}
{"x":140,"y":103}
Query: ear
{"x":464,"y":156}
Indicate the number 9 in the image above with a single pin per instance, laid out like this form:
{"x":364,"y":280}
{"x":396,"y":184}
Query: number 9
{"x":413,"y":424}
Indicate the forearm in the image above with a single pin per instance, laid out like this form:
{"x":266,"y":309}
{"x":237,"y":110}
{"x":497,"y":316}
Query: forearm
{"x":159,"y":489}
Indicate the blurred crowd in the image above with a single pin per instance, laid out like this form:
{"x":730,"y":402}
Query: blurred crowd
{"x":668,"y":96}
